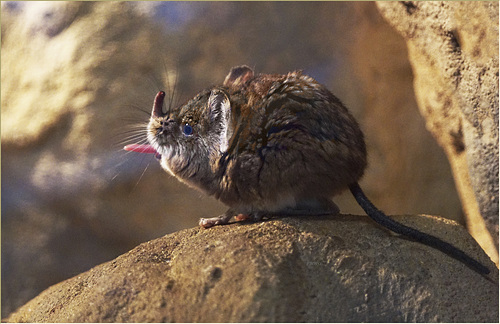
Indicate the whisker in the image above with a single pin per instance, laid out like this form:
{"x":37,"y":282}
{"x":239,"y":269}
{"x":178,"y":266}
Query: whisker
{"x":173,"y":93}
{"x":131,"y":133}
{"x":142,"y":174}
{"x":139,"y":108}
{"x":168,"y":89}
{"x":134,"y":128}
{"x":125,"y":158}
{"x":154,"y":82}
{"x":133,"y":140}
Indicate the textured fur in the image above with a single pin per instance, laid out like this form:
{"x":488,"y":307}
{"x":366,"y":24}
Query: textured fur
{"x":262,"y":143}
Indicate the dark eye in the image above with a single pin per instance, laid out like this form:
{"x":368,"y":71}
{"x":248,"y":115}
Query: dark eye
{"x":187,"y":130}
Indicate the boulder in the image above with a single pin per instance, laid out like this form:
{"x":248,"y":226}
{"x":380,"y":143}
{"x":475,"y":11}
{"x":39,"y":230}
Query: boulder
{"x":340,"y":268}
{"x":453,"y":49}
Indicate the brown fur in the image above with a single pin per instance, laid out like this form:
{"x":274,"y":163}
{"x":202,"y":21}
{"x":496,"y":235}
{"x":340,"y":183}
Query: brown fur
{"x":289,"y":141}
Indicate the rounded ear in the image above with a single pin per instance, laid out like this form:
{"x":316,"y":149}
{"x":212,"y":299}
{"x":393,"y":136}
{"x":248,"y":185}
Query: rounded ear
{"x":238,"y":75}
{"x":218,"y":105}
{"x":219,"y":111}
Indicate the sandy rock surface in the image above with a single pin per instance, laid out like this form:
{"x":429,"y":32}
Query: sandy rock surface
{"x":324,"y":269}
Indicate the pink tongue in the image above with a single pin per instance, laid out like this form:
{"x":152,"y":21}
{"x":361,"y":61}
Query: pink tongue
{"x":140,"y":148}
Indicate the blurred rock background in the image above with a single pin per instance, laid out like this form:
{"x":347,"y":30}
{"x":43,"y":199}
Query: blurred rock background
{"x":78,"y":80}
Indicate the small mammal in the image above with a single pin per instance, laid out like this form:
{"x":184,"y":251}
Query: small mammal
{"x":269,"y":144}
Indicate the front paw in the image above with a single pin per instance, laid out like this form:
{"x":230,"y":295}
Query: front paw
{"x":219,"y":220}
{"x":209,"y":222}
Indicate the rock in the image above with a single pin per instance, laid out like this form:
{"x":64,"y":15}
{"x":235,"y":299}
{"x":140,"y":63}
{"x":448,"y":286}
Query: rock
{"x":453,"y":48}
{"x":299,"y":269}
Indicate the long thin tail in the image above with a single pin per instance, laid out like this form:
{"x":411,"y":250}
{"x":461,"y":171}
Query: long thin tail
{"x":384,"y":220}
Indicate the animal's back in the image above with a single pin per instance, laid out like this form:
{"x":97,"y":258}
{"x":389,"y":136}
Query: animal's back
{"x":291,"y":139}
